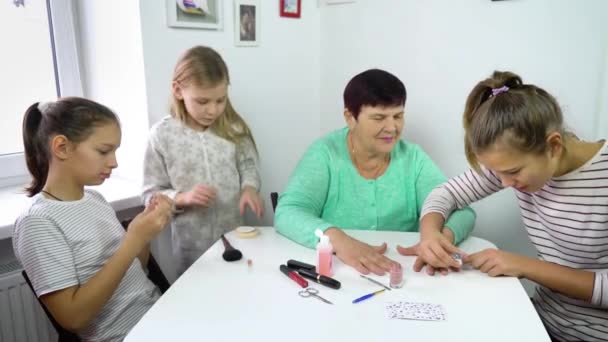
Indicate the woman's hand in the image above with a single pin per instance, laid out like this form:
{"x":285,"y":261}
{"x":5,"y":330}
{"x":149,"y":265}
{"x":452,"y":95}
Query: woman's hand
{"x":200,"y":196}
{"x":251,"y":198}
{"x":432,"y":250}
{"x":359,"y":255}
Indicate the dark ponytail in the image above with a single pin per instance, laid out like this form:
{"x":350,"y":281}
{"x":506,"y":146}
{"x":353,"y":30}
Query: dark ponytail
{"x":35,"y":157}
{"x":73,"y":117}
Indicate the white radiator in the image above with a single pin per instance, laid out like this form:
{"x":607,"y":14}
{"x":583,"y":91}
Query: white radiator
{"x":21,"y":316}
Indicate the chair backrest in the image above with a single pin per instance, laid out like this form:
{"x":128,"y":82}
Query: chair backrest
{"x":64,"y":335}
{"x":274,"y":199}
{"x":155,"y":274}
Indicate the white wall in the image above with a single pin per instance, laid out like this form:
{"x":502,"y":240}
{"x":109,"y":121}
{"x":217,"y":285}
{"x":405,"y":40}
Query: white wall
{"x":441,"y":48}
{"x":274,"y":86}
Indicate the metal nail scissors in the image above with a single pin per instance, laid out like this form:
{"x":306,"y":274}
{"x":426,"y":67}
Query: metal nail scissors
{"x":312,"y":292}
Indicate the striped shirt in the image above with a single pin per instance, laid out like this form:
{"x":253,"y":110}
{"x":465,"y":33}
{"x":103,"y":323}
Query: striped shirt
{"x":567,"y":221}
{"x":64,"y":244}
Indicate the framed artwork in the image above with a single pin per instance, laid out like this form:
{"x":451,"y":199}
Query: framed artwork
{"x":290,"y":8}
{"x":246,"y":22}
{"x":200,"y":14}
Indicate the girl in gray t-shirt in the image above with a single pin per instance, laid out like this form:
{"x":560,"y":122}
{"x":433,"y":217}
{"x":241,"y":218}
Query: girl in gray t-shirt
{"x":83,"y":266}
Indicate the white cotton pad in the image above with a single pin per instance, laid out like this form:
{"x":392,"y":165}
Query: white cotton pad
{"x":245,"y":229}
{"x":246,"y":232}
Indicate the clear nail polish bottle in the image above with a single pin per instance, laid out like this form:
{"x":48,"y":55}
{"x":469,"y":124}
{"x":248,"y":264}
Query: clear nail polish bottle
{"x":396,"y":276}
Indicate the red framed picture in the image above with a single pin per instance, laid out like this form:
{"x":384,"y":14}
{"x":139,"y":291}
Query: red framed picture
{"x":291,"y":8}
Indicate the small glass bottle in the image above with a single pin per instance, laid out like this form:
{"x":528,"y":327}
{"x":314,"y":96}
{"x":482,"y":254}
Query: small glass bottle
{"x":396,"y":276}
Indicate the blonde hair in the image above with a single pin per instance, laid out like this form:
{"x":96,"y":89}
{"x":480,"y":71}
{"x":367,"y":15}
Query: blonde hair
{"x":204,"y":67}
{"x":503,"y":107}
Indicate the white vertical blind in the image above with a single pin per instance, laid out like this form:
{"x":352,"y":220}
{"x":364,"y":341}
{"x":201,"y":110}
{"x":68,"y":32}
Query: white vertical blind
{"x":26,"y":66}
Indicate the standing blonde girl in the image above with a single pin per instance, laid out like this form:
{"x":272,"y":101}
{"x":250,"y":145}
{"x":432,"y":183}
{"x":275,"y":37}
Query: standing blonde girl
{"x":203,"y":156}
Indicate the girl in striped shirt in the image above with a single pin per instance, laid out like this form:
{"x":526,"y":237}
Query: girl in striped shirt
{"x":86,"y":270}
{"x":515,"y":137}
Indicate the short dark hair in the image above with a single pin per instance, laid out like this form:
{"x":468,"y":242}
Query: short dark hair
{"x":373,"y":87}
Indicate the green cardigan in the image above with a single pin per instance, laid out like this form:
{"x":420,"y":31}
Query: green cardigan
{"x":326,"y":190}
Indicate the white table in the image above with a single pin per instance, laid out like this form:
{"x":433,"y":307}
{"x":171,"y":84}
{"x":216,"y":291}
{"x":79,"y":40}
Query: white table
{"x":219,"y":301}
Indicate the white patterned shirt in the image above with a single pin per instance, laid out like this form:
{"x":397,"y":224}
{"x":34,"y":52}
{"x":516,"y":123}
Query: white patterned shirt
{"x":178,"y":158}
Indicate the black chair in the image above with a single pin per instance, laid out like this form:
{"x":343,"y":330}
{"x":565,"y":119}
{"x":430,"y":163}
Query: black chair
{"x":155,"y":274}
{"x":64,"y":335}
{"x":274,"y":199}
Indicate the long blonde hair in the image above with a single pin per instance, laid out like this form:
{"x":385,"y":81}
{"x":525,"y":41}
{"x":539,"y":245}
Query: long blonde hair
{"x":203,"y":66}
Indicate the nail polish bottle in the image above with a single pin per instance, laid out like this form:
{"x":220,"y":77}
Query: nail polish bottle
{"x":396,"y":276}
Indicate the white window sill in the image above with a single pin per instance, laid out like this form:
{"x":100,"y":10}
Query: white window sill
{"x":122,"y":194}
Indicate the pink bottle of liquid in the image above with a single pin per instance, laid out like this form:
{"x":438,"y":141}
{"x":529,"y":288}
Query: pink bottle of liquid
{"x":325,"y":254}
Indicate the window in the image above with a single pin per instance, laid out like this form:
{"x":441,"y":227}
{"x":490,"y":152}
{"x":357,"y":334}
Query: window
{"x":38,"y":62}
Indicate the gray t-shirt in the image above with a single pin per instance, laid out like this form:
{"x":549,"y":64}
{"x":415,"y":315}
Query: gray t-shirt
{"x":62,"y":244}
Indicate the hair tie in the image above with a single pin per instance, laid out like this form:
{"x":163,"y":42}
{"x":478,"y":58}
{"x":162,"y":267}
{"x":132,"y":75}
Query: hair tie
{"x":496,"y":91}
{"x":42,"y":106}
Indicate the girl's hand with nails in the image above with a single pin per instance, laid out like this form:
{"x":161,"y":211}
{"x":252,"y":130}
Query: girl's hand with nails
{"x":497,"y":263}
{"x":147,"y":224}
{"x":420,"y":262}
{"x":251,"y":198}
{"x":434,"y":250}
{"x":200,"y":196}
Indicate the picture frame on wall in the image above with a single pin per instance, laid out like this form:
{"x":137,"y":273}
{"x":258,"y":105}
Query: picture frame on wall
{"x":198,"y":14}
{"x":247,"y":22}
{"x":290,"y":8}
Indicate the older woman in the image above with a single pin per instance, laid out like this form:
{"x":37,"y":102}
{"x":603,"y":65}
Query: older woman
{"x":364,"y":177}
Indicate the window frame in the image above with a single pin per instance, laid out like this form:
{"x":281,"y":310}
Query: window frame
{"x":68,"y":81}
{"x":602,"y":111}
